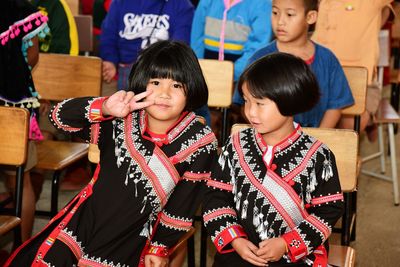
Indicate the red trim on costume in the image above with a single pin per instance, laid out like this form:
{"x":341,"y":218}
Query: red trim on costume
{"x":159,"y":190}
{"x":227,"y":236}
{"x":167,"y":164}
{"x":289,"y":189}
{"x":94,"y":133}
{"x":296,"y":246}
{"x":71,"y":243}
{"x":183,"y":155}
{"x":59,"y":124}
{"x":219,"y":213}
{"x":146,"y":246}
{"x":90,"y":263}
{"x":96,"y":110}
{"x":321,"y":257}
{"x":220,"y":185}
{"x":190,"y":176}
{"x":259,"y":186}
{"x":159,"y":251}
{"x":281,"y":145}
{"x":304,"y":162}
{"x":325,"y":230}
{"x":175,"y":223}
{"x":326,"y":199}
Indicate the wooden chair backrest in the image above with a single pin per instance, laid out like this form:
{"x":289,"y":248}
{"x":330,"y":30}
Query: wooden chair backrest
{"x":74,"y":6}
{"x":343,"y":143}
{"x":358,"y":79}
{"x":84,"y":25}
{"x":219,"y":78}
{"x":58,"y":77}
{"x":14,"y":135}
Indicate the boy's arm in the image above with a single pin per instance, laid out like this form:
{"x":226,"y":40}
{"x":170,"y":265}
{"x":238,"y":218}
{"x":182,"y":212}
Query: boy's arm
{"x":109,"y":35}
{"x":330,"y":118}
{"x":176,"y":218}
{"x":259,"y":36}
{"x":197,"y":34}
{"x":324,"y":207}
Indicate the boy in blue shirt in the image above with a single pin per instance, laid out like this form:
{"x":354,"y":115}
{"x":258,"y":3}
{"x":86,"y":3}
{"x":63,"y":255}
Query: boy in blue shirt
{"x":131,"y":26}
{"x":291,"y":20}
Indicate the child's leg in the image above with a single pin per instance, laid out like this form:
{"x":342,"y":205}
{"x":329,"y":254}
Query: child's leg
{"x":28,"y":204}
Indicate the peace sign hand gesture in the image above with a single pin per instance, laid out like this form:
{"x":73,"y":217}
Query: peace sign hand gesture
{"x":121,"y":103}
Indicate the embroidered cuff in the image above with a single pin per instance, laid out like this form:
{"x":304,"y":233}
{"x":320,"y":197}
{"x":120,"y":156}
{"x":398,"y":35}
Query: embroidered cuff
{"x":227,"y":236}
{"x":296,"y":246}
{"x":95,"y":110}
{"x":159,"y":251}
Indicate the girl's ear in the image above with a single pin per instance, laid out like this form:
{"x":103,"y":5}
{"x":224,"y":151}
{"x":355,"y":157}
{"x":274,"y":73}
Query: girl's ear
{"x":312,"y":16}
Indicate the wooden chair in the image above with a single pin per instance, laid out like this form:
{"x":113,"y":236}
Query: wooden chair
{"x":358,"y":79}
{"x":73,"y":6}
{"x":58,"y":77}
{"x":219,"y":78}
{"x":341,"y":256}
{"x":344,"y":144}
{"x":385,"y":116}
{"x":84,"y":25}
{"x":14,"y":124}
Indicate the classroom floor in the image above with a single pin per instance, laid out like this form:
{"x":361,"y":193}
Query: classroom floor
{"x":378,"y":220}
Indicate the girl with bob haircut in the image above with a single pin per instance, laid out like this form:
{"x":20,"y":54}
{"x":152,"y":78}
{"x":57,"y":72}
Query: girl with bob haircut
{"x":154,"y":158}
{"x":279,"y":192}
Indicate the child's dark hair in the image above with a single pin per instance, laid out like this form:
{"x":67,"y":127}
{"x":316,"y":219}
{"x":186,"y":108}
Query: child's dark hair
{"x":283,"y":78}
{"x":171,"y":60}
{"x":310,"y":5}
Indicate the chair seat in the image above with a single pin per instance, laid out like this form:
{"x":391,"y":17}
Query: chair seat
{"x":342,"y":256}
{"x":7,"y":223}
{"x":386,"y":113}
{"x":56,"y":155}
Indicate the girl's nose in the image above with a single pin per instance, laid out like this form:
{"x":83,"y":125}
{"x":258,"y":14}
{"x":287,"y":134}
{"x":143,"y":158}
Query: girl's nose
{"x":164,"y":91}
{"x":252,"y":110}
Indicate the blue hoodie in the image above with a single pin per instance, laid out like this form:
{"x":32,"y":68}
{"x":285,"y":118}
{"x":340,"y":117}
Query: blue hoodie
{"x":247,"y":29}
{"x":131,"y":26}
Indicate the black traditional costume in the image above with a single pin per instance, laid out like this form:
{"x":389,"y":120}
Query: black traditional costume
{"x":290,"y":190}
{"x":142,"y":197}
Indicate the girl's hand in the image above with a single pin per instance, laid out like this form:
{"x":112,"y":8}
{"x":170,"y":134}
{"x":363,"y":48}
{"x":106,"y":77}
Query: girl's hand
{"x":121,"y":103}
{"x":109,"y":71}
{"x":272,"y":249}
{"x":155,"y":261}
{"x":247,"y":251}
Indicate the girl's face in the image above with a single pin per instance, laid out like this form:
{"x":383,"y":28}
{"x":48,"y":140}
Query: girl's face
{"x":264,"y":116}
{"x":169,"y":101}
{"x":289,"y":21}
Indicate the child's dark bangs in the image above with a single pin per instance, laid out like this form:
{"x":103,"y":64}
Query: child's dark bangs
{"x":165,"y":67}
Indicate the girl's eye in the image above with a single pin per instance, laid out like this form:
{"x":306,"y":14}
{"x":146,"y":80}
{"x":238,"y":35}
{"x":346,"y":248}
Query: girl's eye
{"x":178,"y":85}
{"x":155,"y":82}
{"x":274,"y":13}
{"x":260,"y":104}
{"x":291,"y":15}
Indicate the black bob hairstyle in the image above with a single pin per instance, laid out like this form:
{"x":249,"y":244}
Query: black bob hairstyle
{"x":284,"y":79}
{"x":171,"y":60}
